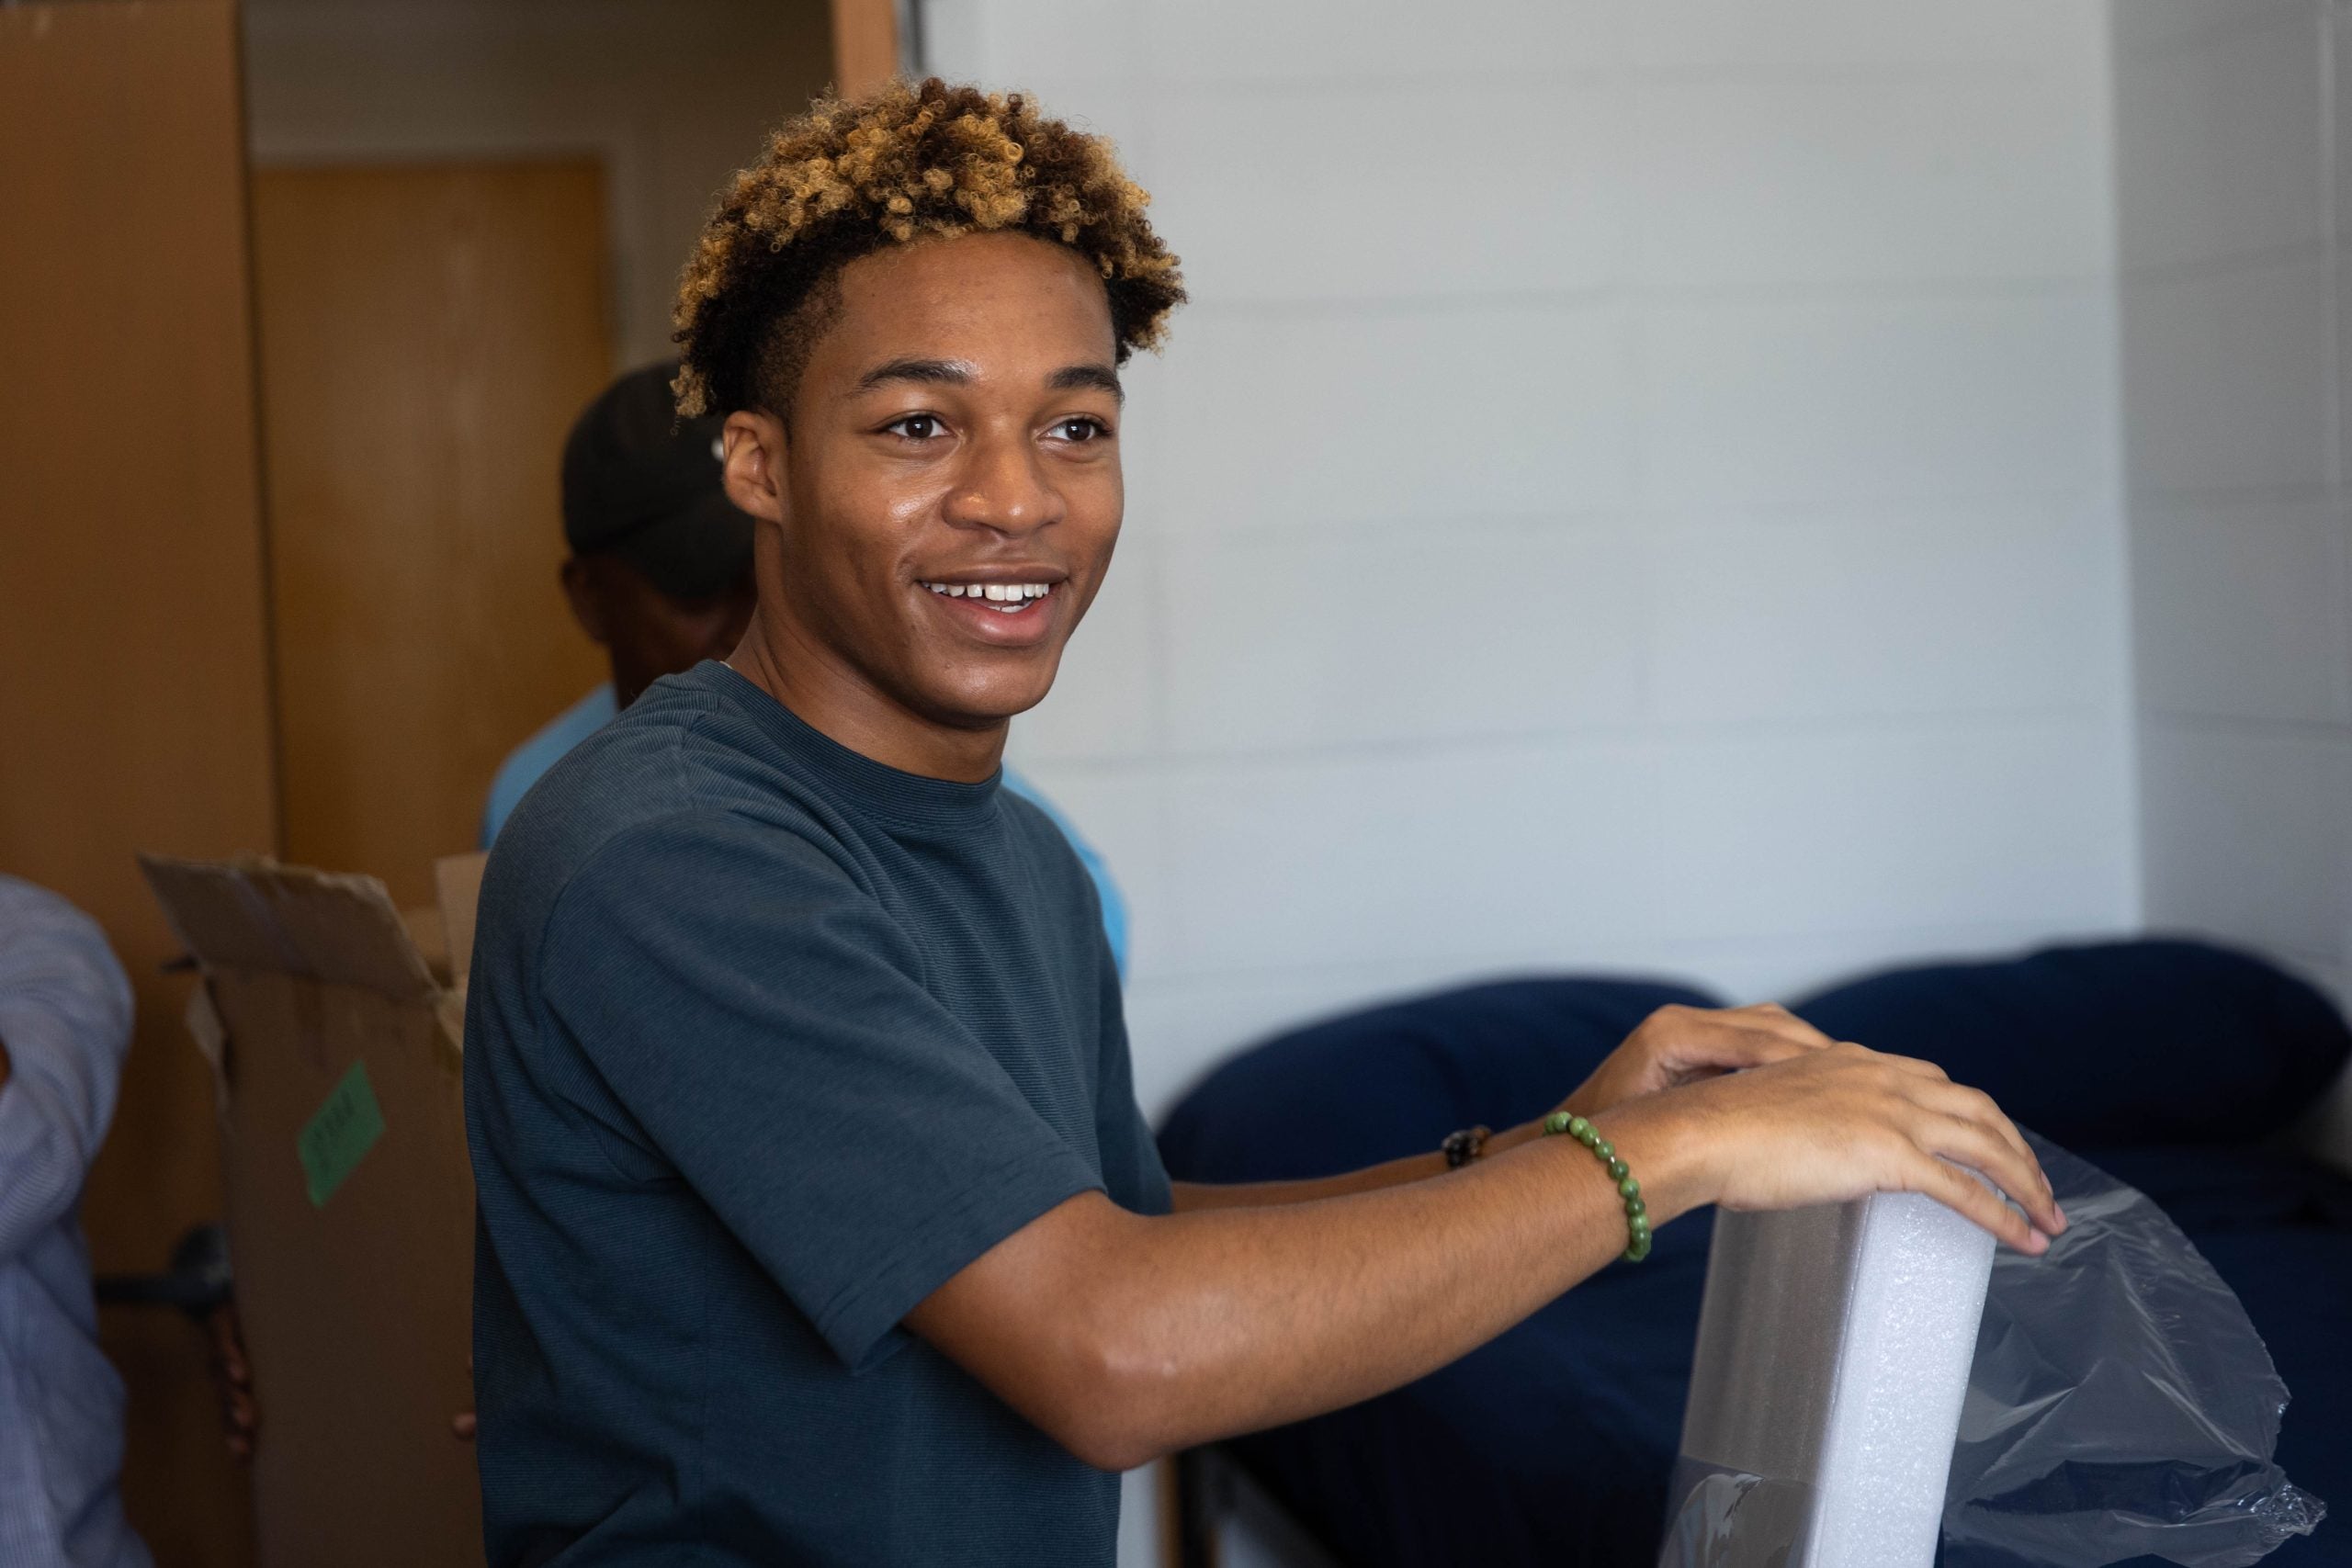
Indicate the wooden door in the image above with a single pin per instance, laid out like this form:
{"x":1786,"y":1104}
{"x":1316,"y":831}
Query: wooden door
{"x":134,"y":706}
{"x":428,"y":336}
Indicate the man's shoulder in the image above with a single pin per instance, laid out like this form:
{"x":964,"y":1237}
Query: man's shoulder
{"x":547,"y":746}
{"x":671,"y":778}
{"x":672,"y":751}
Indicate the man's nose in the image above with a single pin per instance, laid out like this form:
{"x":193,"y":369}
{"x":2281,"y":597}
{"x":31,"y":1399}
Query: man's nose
{"x":1004,"y":487}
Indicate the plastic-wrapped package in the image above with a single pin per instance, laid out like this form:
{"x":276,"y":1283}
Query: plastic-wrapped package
{"x":2119,"y":1404}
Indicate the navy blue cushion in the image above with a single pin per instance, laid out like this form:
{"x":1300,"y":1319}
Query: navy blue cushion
{"x":1394,"y":1080}
{"x":2141,"y":1042}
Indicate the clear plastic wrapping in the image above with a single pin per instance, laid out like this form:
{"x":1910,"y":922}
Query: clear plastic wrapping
{"x":2120,"y":1405}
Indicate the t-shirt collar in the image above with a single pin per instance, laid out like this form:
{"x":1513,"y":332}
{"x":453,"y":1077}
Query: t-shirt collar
{"x":877,"y":789}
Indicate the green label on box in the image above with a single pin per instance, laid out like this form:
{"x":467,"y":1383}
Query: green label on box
{"x":340,"y":1135}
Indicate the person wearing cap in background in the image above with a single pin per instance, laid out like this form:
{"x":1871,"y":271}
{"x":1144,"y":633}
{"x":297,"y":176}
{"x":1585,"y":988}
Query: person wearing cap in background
{"x":660,"y":576}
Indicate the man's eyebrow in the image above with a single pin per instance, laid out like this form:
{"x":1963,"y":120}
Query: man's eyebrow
{"x":957,"y":373}
{"x":1101,"y":376}
{"x":951,"y":372}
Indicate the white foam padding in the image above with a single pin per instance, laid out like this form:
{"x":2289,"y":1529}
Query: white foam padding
{"x":1834,"y":1350}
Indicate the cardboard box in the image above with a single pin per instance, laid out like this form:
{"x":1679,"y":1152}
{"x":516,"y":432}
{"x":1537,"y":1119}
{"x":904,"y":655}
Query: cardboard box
{"x":337,"y":1050}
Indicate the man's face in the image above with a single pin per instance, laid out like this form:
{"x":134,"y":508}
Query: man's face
{"x":647,"y":632}
{"x":949,"y":492}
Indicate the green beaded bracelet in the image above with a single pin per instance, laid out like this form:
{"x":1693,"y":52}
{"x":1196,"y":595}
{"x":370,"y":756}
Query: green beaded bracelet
{"x":1637,"y":1212}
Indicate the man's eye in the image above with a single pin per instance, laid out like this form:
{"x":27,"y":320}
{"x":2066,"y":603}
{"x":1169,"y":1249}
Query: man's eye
{"x":915,"y":426}
{"x":1079,"y":429}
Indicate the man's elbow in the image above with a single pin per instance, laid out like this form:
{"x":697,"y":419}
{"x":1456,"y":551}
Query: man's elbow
{"x":1118,"y":1407}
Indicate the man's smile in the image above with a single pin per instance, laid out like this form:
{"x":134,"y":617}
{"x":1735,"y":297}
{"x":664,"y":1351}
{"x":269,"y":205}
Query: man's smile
{"x":1010,"y":598}
{"x":1016,"y":612}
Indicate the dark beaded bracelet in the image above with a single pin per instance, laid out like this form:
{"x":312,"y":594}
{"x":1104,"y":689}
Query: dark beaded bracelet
{"x":1460,"y":1148}
{"x":1637,"y":1212}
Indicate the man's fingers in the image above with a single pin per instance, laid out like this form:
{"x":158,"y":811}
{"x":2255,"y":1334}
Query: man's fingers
{"x":1920,"y":1069}
{"x":1983,"y":1150}
{"x":1728,"y":1041}
{"x":1774,"y":1019}
{"x":1975,"y":1105}
{"x":1971,"y":1200}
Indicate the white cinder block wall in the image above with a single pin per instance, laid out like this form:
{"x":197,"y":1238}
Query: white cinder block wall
{"x":2234,"y":177}
{"x":1636,"y":487}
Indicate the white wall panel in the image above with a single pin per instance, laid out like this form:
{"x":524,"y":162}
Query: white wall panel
{"x":2226,"y":155}
{"x":2152,"y":26}
{"x":1868,"y":177}
{"x":2339,"y":45}
{"x":2249,"y":834}
{"x":1289,"y":417}
{"x":2226,"y":378}
{"x":1452,"y":852}
{"x":1761,"y":401}
{"x":1407,"y":42}
{"x":1741,"y":37}
{"x":1402,"y":635}
{"x":2245,"y":610}
{"x":1884,"y":612}
{"x":1481,"y":189}
{"x":1943,"y":826}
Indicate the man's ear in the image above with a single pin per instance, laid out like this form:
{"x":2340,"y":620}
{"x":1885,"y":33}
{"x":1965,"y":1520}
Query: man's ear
{"x":587,"y":604}
{"x":754,"y":447}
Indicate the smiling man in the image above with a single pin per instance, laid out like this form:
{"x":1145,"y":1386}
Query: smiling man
{"x":817,"y":1222}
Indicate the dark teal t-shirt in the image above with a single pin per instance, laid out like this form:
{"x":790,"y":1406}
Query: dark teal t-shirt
{"x":764,"y":1041}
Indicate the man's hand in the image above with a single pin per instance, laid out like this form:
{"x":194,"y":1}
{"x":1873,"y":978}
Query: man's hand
{"x":1676,"y":1045}
{"x":1837,"y":1122}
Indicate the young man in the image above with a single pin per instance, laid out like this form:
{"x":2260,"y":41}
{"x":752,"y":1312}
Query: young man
{"x":660,"y":576}
{"x":817,"y":1222}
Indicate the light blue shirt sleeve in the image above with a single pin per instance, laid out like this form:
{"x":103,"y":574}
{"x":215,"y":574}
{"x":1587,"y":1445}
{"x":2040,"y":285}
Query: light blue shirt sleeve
{"x":541,"y":751}
{"x":66,"y":1022}
{"x":1114,"y":908}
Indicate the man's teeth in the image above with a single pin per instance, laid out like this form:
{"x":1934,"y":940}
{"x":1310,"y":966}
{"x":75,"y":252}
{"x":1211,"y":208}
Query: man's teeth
{"x":1009,"y":597}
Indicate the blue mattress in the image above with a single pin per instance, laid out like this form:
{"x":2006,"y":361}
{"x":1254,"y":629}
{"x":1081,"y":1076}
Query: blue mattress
{"x":2160,"y":1061}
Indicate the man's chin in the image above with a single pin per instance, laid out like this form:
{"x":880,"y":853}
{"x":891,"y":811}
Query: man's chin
{"x":988,"y":704}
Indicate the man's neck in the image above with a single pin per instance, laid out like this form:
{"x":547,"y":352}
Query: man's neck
{"x":838,"y":702}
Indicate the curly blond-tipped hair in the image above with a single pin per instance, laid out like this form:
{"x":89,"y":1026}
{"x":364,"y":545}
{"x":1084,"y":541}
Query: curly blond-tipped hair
{"x":851,"y":177}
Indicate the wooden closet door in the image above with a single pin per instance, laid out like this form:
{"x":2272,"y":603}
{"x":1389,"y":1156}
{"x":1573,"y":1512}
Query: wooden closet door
{"x":134,"y":704}
{"x":427,"y":335}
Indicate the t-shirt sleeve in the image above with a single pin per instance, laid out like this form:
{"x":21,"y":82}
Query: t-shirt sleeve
{"x":764,"y":1024}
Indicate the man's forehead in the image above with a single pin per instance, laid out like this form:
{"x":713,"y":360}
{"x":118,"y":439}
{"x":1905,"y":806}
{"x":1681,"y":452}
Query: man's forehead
{"x":976,"y":299}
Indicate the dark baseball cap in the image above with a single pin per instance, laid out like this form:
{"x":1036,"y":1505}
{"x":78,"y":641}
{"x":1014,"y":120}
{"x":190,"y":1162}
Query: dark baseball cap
{"x":644,"y":484}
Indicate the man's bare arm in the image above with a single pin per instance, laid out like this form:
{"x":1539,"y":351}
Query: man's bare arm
{"x":1169,"y":1332}
{"x":1674,"y":1045}
{"x":1127,"y":1336}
